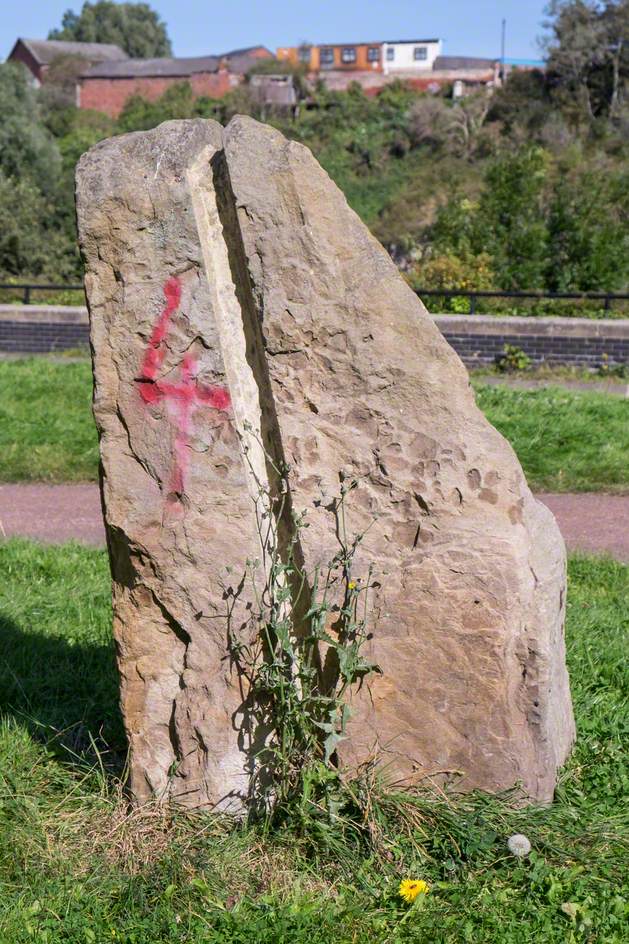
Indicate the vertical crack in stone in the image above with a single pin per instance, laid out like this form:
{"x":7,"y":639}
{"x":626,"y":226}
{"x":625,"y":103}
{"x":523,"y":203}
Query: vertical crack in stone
{"x":241,"y":340}
{"x":270,"y":434}
{"x":244,"y":359}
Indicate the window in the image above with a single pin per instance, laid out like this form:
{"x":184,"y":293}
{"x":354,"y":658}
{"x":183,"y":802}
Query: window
{"x":373,"y":54}
{"x":390,"y":53}
{"x":348,"y":54}
{"x":420,"y":53}
{"x":327,"y":56}
{"x":304,"y":54}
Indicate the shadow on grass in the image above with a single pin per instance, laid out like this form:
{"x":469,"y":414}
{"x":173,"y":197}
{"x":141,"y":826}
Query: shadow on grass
{"x":64,"y":692}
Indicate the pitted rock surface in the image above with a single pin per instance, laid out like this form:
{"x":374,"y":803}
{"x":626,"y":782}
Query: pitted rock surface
{"x":237,"y":303}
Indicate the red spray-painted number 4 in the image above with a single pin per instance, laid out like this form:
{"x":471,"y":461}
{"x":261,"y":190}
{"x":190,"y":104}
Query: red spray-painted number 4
{"x":184,"y":396}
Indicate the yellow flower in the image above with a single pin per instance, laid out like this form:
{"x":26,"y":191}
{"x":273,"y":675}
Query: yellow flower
{"x":410,"y":888}
{"x":352,"y":585}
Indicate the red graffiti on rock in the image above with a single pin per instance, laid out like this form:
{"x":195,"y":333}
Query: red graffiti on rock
{"x":184,"y":396}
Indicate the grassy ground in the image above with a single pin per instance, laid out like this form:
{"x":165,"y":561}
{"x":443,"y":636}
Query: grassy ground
{"x":46,"y":428}
{"x":555,"y":374}
{"x":75,"y":867}
{"x":566,"y":440}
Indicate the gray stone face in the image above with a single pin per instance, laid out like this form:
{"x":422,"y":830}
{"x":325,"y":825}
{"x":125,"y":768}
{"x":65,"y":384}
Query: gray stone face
{"x":237,"y":303}
{"x":175,"y":491}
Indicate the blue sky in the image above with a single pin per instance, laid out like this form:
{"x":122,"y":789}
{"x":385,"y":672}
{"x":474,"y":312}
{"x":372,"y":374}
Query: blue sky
{"x":196,"y":27}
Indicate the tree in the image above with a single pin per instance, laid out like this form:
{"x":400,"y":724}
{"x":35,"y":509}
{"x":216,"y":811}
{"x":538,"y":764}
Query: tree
{"x":588,"y":232}
{"x":511,"y":218}
{"x":575,"y":47}
{"x":523,"y":100}
{"x":29,"y":240}
{"x":615,"y":20}
{"x":57,"y":96}
{"x":588,"y":53}
{"x":135,"y":27}
{"x":431,"y":121}
{"x":507,"y":224}
{"x":467,"y":119}
{"x":27,"y":150}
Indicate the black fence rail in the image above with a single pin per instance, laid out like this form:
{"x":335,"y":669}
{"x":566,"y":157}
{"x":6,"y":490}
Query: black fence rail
{"x":607,"y":298}
{"x":27,"y":289}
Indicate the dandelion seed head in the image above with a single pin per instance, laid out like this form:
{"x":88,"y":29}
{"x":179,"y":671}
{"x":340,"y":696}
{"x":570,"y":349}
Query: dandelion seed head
{"x":519,"y":845}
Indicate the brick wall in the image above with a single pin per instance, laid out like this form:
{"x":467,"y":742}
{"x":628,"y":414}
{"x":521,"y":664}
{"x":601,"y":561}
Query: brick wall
{"x":478,"y":340}
{"x":110,"y":95}
{"x":373,"y":82}
{"x":21,"y":54}
{"x":40,"y":329}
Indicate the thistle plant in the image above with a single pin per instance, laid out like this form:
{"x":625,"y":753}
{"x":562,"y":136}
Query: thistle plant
{"x":305,"y":654}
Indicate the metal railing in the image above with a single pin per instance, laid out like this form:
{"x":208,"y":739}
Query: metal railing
{"x":606,"y":297}
{"x":27,"y":289}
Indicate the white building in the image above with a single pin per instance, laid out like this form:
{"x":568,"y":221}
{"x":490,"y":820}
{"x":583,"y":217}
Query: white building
{"x":409,"y":55}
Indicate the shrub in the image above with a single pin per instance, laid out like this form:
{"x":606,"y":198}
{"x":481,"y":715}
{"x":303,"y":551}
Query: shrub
{"x":451,"y":272}
{"x":512,"y":359}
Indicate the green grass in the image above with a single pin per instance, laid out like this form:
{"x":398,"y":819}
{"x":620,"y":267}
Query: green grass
{"x":566,"y":440}
{"x":46,"y":428}
{"x":75,"y":867}
{"x":554,"y":375}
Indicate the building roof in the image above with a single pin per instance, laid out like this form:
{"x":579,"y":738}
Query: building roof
{"x":153,"y":68}
{"x":531,"y":63}
{"x":376,"y":42}
{"x":243,"y":52}
{"x":237,"y":60}
{"x":45,"y":50}
{"x":461,"y":63}
{"x":240,"y":65}
{"x":400,"y":42}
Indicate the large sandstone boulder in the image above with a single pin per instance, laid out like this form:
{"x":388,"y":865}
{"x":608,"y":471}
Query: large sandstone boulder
{"x":242,"y":315}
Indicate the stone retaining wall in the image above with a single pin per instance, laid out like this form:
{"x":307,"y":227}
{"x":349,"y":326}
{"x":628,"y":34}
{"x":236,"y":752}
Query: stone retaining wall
{"x":478,"y":339}
{"x":40,"y":329}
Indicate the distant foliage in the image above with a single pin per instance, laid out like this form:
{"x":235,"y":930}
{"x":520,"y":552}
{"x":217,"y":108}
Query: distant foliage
{"x":588,"y":55}
{"x":27,"y":150}
{"x":135,"y":27}
{"x":450,"y":272}
{"x":522,"y":187}
{"x":545,"y":223}
{"x":588,"y":231}
{"x":30,"y":193}
{"x":511,"y":224}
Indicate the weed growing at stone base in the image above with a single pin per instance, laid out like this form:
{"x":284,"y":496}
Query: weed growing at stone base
{"x":303,"y":656}
{"x":76,"y":867}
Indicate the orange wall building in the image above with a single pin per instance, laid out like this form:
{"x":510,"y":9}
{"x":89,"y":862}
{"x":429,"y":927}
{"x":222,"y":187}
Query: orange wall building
{"x":346,"y":57}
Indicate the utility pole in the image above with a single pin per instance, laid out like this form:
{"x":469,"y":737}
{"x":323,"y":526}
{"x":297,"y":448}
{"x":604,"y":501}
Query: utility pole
{"x":502,"y":49}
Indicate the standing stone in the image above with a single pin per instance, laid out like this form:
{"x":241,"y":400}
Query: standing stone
{"x":238,"y":305}
{"x":171,"y":385}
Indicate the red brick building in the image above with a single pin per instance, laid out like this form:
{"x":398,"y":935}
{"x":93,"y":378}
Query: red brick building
{"x":38,"y":54}
{"x":108,"y":85}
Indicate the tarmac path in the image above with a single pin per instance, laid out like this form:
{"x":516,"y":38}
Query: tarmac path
{"x":591,"y":522}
